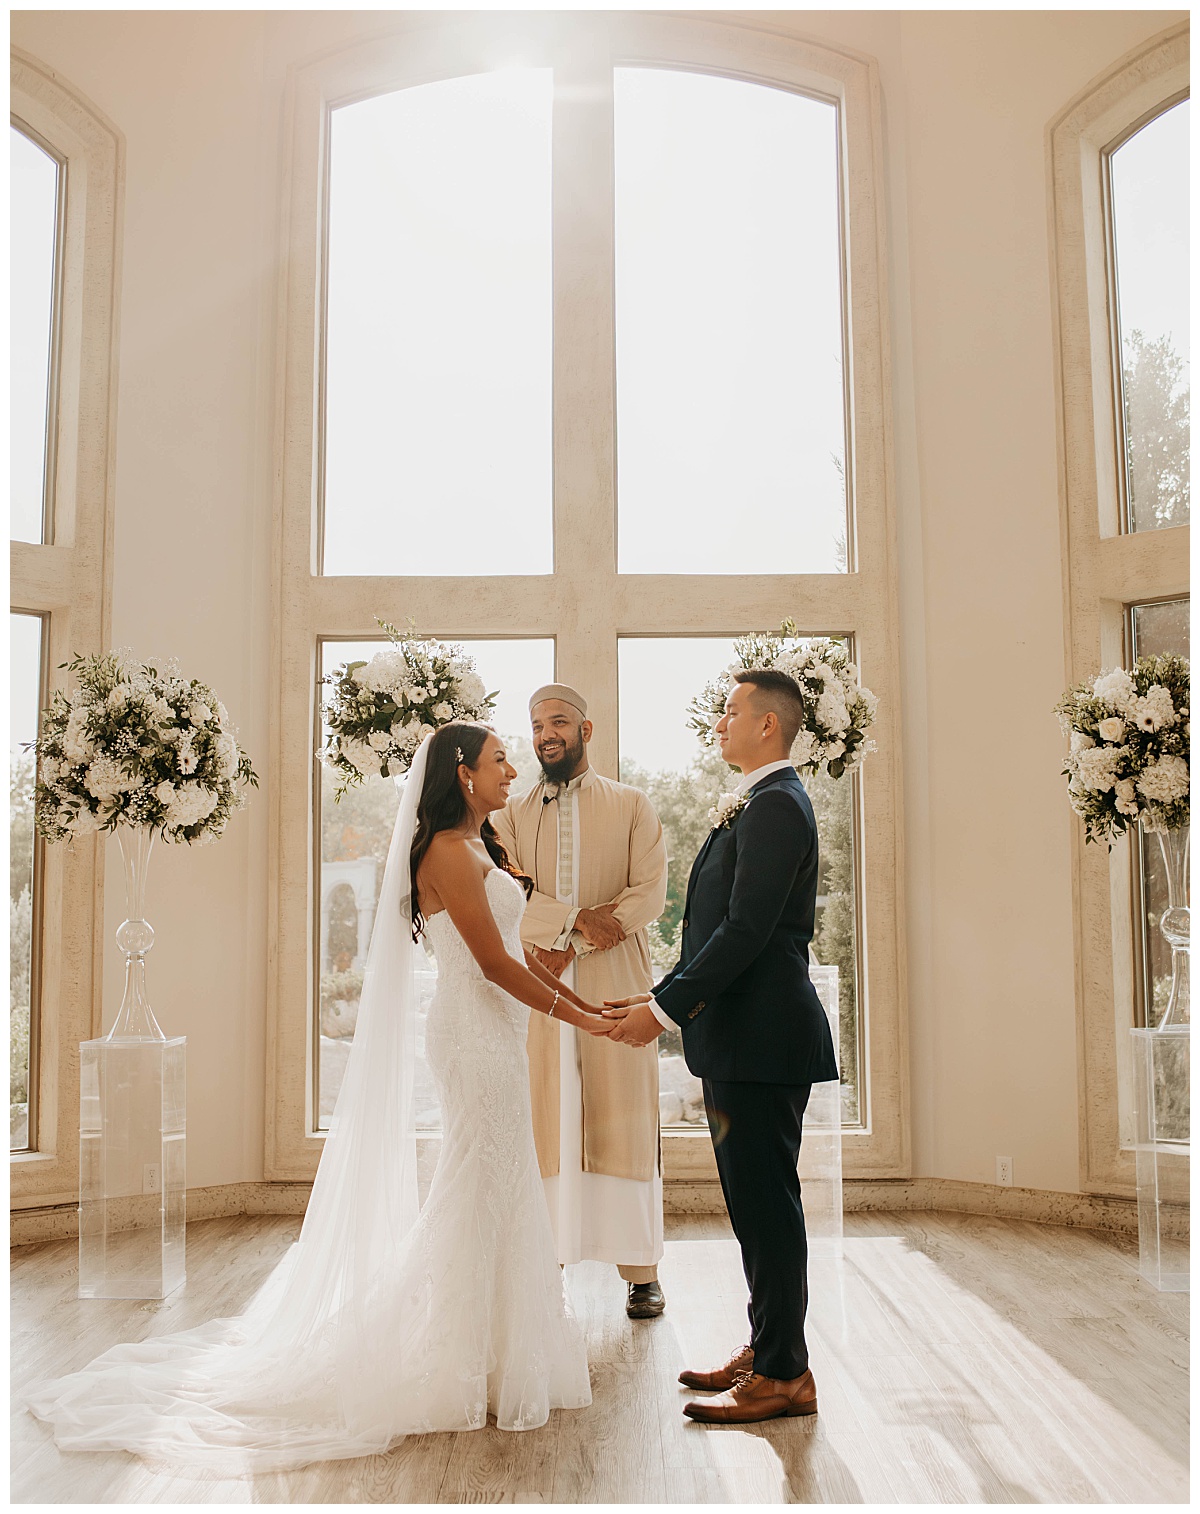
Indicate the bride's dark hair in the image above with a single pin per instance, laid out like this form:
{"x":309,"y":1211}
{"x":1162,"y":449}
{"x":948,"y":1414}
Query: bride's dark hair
{"x":443,"y":806}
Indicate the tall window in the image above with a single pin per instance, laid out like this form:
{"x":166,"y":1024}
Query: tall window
{"x":355,"y":832}
{"x":730,"y":396}
{"x":583,"y":385}
{"x":26,"y":683}
{"x":1148,"y":177}
{"x":1119,"y":176}
{"x":1154,"y":631}
{"x":35,"y":176}
{"x":33,"y":249}
{"x":658,"y":678}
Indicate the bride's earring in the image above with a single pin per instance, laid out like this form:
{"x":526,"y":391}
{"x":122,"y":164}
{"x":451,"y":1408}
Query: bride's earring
{"x":470,"y":785}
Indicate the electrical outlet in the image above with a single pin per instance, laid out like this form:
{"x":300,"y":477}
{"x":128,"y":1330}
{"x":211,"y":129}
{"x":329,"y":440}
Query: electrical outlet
{"x":1004,"y":1171}
{"x":151,"y":1178}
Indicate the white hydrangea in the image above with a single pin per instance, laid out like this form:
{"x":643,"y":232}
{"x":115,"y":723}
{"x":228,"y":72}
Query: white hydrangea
{"x":86,"y":822}
{"x":77,"y":746}
{"x":192,"y":803}
{"x":105,"y":779}
{"x":379,"y":741}
{"x":804,"y":749}
{"x":1080,"y":741}
{"x":363,"y":757}
{"x":1115,"y":687}
{"x":226,"y":755}
{"x":1164,"y":781}
{"x":1112,"y":728}
{"x":832,"y":713}
{"x":471,"y":689}
{"x":1097,"y":766}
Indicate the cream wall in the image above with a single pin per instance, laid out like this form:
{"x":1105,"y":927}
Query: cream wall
{"x":967,"y":97}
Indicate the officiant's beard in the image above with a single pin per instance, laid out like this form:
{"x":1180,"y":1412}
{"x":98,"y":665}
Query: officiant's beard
{"x":572,"y":757}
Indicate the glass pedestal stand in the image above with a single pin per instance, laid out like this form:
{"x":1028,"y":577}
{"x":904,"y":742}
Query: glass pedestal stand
{"x":132,"y":1180}
{"x":1162,"y":1081}
{"x":821,"y":1145}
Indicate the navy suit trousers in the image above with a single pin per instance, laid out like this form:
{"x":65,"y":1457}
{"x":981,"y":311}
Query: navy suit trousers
{"x":755,"y":1130}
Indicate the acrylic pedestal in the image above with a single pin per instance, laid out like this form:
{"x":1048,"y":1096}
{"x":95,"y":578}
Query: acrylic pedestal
{"x":1162,"y":1082}
{"x":821,"y":1145}
{"x":132,"y":1194}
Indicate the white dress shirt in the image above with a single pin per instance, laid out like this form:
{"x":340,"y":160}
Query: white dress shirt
{"x":744,"y":784}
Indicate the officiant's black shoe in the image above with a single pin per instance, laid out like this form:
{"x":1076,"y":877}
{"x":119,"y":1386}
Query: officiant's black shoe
{"x":722,"y":1378}
{"x":645,"y":1301}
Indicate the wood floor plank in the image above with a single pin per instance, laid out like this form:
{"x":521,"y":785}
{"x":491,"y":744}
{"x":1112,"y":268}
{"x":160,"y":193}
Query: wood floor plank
{"x":958,"y":1359}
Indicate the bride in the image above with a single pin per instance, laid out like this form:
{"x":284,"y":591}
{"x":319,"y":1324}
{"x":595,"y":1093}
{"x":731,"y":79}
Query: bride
{"x":382,"y":1321}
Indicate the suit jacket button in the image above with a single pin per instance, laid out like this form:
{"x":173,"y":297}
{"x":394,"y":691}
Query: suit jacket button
{"x":692,"y":1013}
{"x":700,"y":1005}
{"x":685,"y":924}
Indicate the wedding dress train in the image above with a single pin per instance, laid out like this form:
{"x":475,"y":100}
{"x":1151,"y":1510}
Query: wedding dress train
{"x":407,"y":1323}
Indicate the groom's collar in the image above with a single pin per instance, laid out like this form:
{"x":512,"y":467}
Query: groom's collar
{"x":748,"y":780}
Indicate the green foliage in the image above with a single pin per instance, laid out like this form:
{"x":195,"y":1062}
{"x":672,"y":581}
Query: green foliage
{"x":344,"y":986}
{"x":1157,"y":432}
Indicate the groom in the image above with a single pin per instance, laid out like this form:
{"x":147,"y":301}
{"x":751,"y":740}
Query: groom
{"x":755,"y":1032}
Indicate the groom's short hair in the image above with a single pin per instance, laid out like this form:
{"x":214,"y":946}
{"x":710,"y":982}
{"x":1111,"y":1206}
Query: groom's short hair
{"x":778,"y":692}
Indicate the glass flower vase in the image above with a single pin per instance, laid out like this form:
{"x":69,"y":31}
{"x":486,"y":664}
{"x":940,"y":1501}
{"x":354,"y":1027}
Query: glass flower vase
{"x":132,"y":1191}
{"x":1176,"y":926}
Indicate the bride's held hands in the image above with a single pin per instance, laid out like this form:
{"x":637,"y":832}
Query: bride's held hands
{"x":593,"y":1022}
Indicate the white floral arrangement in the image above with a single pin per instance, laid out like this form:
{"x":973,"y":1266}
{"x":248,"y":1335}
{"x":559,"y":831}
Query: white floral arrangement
{"x":138,"y":747}
{"x":380,"y":711}
{"x":727,"y":807}
{"x":838,"y":710}
{"x":1129,"y":747}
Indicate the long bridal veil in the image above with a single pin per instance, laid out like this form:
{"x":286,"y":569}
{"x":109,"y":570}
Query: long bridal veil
{"x":308,"y":1372}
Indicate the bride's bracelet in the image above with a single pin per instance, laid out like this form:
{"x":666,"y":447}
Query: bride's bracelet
{"x":554,"y":1002}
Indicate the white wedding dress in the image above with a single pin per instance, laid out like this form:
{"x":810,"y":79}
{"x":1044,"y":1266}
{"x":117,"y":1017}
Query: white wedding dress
{"x":379,"y":1322}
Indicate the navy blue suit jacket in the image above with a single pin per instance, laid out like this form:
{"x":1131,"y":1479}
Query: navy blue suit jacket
{"x":741,"y":991}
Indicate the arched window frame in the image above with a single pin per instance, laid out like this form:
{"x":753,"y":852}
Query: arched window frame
{"x":585,"y":607}
{"x":67,"y":581}
{"x":1106,"y":568}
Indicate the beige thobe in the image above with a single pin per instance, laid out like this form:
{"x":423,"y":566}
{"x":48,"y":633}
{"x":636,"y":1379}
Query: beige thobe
{"x":595,"y":1102}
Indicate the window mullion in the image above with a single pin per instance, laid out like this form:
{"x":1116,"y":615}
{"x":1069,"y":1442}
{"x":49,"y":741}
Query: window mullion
{"x":584,"y":382}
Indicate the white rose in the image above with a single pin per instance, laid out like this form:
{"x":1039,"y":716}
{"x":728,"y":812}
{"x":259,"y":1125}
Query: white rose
{"x":442,"y":711}
{"x":360,"y":756}
{"x":77,"y":745}
{"x":379,"y":741}
{"x":821,"y":670}
{"x":165,"y":793}
{"x":1112,"y":728}
{"x":1165,"y":781}
{"x":1126,"y":796}
{"x":199,"y":714}
{"x":835,"y":749}
{"x":118,"y":697}
{"x":222,"y":713}
{"x":359,"y":676}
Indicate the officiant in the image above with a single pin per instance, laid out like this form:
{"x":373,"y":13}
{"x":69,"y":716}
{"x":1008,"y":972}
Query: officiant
{"x":595,"y":851}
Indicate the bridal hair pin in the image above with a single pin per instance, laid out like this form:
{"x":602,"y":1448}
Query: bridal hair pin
{"x":458,"y":752}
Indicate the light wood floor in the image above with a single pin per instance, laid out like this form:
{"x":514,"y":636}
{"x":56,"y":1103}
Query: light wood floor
{"x":958,"y":1360}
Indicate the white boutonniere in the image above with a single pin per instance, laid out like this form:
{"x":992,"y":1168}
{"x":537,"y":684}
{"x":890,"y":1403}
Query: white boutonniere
{"x":726,"y":808}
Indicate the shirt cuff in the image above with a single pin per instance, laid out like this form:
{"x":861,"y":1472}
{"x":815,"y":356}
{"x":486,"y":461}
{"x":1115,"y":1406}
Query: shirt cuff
{"x":564,"y":938}
{"x":663,"y":1018}
{"x":581,"y":944}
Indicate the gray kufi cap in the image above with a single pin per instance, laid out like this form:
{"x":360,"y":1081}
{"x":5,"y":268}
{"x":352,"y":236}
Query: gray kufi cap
{"x":561,"y":691}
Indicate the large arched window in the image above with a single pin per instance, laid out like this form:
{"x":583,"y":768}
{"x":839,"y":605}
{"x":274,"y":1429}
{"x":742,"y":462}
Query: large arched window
{"x":590,"y":397}
{"x":1120,"y":180}
{"x":64,"y":184}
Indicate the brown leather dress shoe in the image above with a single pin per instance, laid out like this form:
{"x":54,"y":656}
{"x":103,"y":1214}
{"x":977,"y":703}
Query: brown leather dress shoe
{"x":755,"y":1397}
{"x":724,"y":1377}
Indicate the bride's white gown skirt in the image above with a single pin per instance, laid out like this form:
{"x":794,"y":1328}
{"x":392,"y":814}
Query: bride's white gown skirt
{"x":412,"y":1328}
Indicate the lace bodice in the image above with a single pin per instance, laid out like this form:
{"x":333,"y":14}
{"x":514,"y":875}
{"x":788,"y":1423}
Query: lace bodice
{"x":458,"y":969}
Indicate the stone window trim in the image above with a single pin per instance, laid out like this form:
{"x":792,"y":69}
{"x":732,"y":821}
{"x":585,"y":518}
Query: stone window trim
{"x":1105,"y":569}
{"x":69,"y":582}
{"x":585,"y":605}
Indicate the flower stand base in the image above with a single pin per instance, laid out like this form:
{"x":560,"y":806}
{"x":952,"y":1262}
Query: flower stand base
{"x":1161,"y":1080}
{"x":821,"y":1146}
{"x":132,"y":1193}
